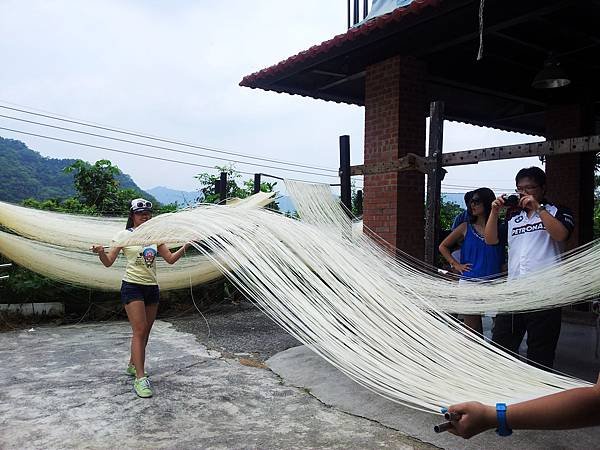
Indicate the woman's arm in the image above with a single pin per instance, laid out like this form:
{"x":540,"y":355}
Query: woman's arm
{"x":574,"y":408}
{"x":490,"y":234}
{"x":171,"y":257}
{"x":107,"y":258}
{"x":452,"y":240}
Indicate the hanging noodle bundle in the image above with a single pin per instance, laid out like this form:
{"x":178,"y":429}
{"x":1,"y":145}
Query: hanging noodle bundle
{"x":376,"y":317}
{"x":374,"y":326}
{"x":576,"y":277}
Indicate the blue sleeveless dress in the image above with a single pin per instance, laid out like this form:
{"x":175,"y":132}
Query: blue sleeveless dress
{"x":486,"y":260}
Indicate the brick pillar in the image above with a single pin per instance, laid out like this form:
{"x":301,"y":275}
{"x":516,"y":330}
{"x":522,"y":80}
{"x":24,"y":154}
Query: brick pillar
{"x":395,"y":111}
{"x":571,"y":177}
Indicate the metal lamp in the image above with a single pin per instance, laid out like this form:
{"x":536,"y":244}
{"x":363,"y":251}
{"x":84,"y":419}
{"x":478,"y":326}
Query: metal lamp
{"x":551,"y":76}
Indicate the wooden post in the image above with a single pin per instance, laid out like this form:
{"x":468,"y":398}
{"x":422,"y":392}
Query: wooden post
{"x":434,"y":180}
{"x":346,"y":189}
{"x":223,"y":185}
{"x":256,"y":188}
{"x":359,"y":203}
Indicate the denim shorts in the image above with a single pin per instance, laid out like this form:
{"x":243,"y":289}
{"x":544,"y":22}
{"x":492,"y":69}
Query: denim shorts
{"x":132,"y":291}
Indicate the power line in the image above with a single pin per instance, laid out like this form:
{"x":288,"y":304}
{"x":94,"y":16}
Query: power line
{"x":155,"y":146}
{"x":169,"y":141}
{"x":149,"y":156}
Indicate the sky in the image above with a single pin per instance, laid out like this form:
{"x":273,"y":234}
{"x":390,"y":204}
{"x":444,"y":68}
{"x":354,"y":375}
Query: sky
{"x":171,"y":69}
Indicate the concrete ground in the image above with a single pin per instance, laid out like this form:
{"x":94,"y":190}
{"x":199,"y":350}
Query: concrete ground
{"x":65,"y":387}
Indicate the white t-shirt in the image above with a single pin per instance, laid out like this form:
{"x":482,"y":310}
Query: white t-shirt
{"x":530,"y":246}
{"x":141,"y":261}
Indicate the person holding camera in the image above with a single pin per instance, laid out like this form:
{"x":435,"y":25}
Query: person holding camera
{"x":536,"y":231}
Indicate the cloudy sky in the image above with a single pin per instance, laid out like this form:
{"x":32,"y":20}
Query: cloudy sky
{"x":171,"y":69}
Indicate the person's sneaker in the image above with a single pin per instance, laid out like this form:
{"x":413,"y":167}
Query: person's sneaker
{"x":142,"y":387}
{"x":131,"y":371}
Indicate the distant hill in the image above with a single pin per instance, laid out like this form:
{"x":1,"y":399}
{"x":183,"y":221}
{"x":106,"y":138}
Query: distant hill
{"x":24,"y":173}
{"x":167,"y":195}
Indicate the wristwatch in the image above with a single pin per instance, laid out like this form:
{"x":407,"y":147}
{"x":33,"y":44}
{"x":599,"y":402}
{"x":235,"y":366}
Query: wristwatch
{"x":502,"y":429}
{"x":540,"y":209}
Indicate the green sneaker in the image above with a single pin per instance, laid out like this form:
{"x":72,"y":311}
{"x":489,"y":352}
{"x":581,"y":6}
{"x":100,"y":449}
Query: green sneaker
{"x":142,"y":387}
{"x":131,"y":371}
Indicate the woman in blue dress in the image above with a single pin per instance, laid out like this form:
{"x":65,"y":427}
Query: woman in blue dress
{"x":478,"y":260}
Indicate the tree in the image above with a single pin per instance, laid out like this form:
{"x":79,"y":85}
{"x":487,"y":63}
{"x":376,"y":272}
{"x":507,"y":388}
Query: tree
{"x":448,"y":211}
{"x":97,"y":186}
{"x":209,"y":192}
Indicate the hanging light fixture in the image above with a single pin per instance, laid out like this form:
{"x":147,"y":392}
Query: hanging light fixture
{"x":551,"y":76}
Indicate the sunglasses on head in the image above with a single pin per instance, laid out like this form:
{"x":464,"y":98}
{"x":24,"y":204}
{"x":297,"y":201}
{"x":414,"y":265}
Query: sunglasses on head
{"x":145,"y":204}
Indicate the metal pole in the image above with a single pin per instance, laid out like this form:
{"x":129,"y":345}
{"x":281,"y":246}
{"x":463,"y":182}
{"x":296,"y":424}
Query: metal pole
{"x":223,"y":184}
{"x":365,"y":8}
{"x":434,"y":179}
{"x":349,"y":13}
{"x":346,"y":190}
{"x":256,"y":188}
{"x":355,"y":12}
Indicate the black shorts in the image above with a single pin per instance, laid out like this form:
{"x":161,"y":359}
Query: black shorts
{"x":132,"y":291}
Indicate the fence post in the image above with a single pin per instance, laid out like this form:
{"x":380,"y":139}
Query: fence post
{"x":256,"y":188}
{"x":346,"y":190}
{"x":434,"y":179}
{"x":223,"y":190}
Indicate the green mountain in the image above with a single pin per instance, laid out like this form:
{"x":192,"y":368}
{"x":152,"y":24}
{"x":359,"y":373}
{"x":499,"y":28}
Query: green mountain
{"x":24,"y":173}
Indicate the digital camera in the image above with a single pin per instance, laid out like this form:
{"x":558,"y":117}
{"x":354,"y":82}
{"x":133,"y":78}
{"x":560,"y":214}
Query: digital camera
{"x":511,"y":199}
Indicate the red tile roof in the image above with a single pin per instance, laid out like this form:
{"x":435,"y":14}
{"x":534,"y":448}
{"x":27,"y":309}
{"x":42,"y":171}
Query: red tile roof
{"x":351,"y":35}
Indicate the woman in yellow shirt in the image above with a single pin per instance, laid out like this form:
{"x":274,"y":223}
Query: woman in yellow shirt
{"x":139,"y":289}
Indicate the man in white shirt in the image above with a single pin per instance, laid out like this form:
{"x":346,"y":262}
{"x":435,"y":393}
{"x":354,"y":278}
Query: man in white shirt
{"x":536,"y":231}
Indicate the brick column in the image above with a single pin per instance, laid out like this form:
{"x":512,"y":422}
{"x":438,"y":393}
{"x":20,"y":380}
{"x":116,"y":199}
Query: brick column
{"x":395,"y":111}
{"x":571,"y":177}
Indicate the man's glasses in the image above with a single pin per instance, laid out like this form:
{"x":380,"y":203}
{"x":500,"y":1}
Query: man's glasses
{"x":528,"y":188}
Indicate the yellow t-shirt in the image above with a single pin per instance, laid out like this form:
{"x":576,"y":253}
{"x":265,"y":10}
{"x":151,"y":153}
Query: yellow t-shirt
{"x":141,"y":261}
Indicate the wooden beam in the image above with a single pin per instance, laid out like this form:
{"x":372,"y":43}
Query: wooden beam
{"x":342,"y":81}
{"x":492,"y":28}
{"x":428,"y":164}
{"x":482,"y":90}
{"x":329,"y":74}
{"x":555,"y":147}
{"x":434,"y":179}
{"x":408,"y":162}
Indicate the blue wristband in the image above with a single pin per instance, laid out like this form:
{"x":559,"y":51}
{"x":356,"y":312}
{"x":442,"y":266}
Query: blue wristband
{"x":502,"y":429}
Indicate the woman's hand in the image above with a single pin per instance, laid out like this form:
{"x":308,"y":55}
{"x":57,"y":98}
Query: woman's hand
{"x":498,"y":204}
{"x":474,"y":418}
{"x":97,"y":248}
{"x":462,"y":268}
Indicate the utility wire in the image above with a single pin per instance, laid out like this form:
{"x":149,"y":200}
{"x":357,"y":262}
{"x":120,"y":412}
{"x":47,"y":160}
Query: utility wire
{"x":149,"y":156}
{"x":168,"y":141}
{"x":154,"y":146}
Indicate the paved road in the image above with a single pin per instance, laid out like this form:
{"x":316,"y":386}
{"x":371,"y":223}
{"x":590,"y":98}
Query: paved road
{"x":64,"y":387}
{"x":246,"y":385}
